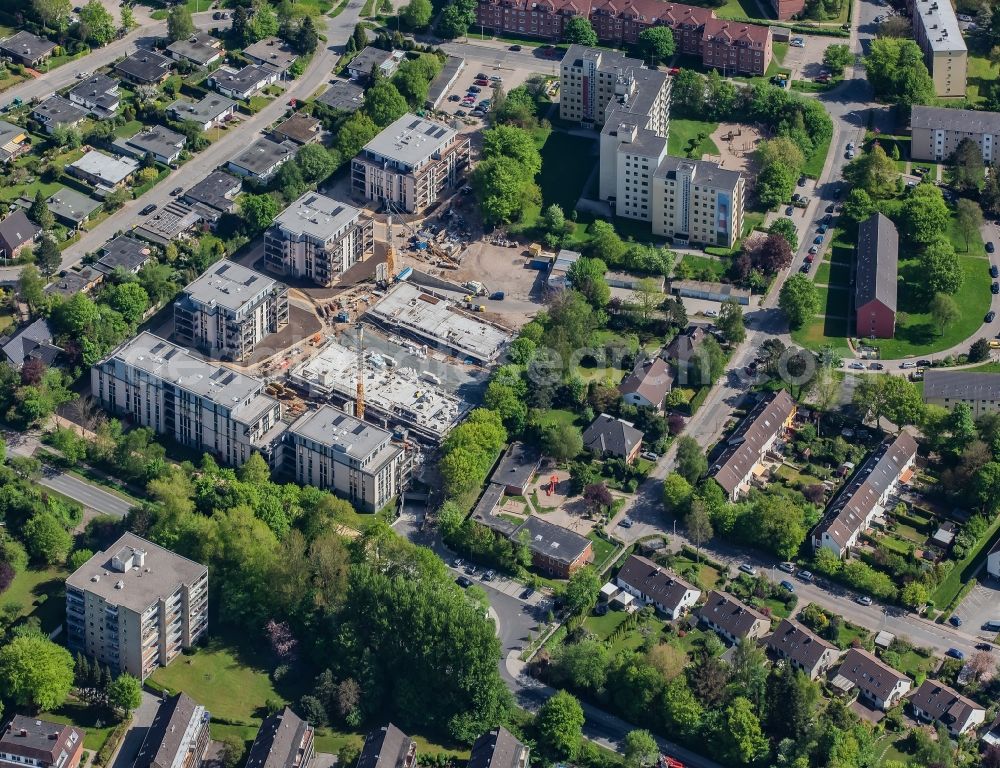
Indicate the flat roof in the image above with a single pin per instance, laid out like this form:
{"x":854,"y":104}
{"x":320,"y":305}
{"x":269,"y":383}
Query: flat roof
{"x":240,"y":79}
{"x":940,"y":24}
{"x":410,"y":140}
{"x":229,"y":284}
{"x":210,"y":107}
{"x":130,"y":253}
{"x":70,"y":204}
{"x":960,"y":385}
{"x":551,"y":540}
{"x":704,"y":173}
{"x":168,"y":223}
{"x":333,"y":428}
{"x":440,"y":84}
{"x":60,"y":111}
{"x":144,"y":65}
{"x":343,"y":95}
{"x":316,"y":216}
{"x":156,"y":139}
{"x":200,"y":48}
{"x":410,"y":309}
{"x":401,"y":393}
{"x":110,"y":168}
{"x":216,"y":190}
{"x":368,"y":57}
{"x":261,"y":156}
{"x":161,"y":573}
{"x":272,"y":52}
{"x":964,"y":120}
{"x":167,"y":361}
{"x":299,"y":128}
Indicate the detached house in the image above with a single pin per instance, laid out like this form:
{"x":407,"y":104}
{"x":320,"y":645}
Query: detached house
{"x":608,"y":436}
{"x":57,"y":112}
{"x":27,"y":741}
{"x":732,"y":618}
{"x":935,"y":702}
{"x":802,"y":648}
{"x":98,"y":94}
{"x":200,"y":49}
{"x":656,"y":586}
{"x":27,"y":49}
{"x":17,"y":232}
{"x":882,"y":685}
{"x":242,"y":83}
{"x":648,"y":384}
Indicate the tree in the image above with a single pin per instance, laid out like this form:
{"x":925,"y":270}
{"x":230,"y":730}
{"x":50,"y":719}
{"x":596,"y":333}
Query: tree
{"x":966,"y":166}
{"x":127,"y":18}
{"x":359,"y":36}
{"x":97,"y":24}
{"x":354,"y":133}
{"x":384,"y":103}
{"x":180,"y":25}
{"x":774,"y":185}
{"x":562,"y":441}
{"x":874,"y":172}
{"x":46,"y":538}
{"x":743,"y":740}
{"x":289,"y":181}
{"x":781,"y":151}
{"x":772,"y":255}
{"x":232,"y":751}
{"x":258,"y":212}
{"x":417,"y":14}
{"x":306,"y":38}
{"x":582,"y":589}
{"x":560,"y":724}
{"x":35,"y":672}
{"x":129,"y":299}
{"x":924,"y":215}
{"x":786,"y":229}
{"x":31,"y":287}
{"x":584,"y":665}
{"x":52,"y":13}
{"x":837,"y":57}
{"x":698,"y":524}
{"x":513,"y":142}
{"x":914,"y":595}
{"x":605,"y":243}
{"x":940,"y":269}
{"x":979,"y":351}
{"x":315,"y":162}
{"x":730,"y":322}
{"x":656,"y":44}
{"x":580,"y":31}
{"x":641,"y":748}
{"x":125,"y":694}
{"x":691,"y":461}
{"x":858,"y":205}
{"x":689,"y":92}
{"x":897,"y":72}
{"x":503,"y":187}
{"x":39,"y":212}
{"x":677,"y":493}
{"x":48,"y":257}
{"x":587,"y":277}
{"x":944,"y":311}
{"x":263,"y":22}
{"x":968,"y":218}
{"x":799,"y":300}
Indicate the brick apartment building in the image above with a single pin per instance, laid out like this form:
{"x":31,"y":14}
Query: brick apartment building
{"x":722,"y":44}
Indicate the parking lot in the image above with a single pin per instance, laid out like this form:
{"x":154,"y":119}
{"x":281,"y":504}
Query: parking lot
{"x":982,"y":604}
{"x":510,"y":77}
{"x":806,"y":63}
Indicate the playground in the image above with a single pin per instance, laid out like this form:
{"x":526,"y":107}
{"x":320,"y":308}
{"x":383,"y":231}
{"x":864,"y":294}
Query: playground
{"x":736,"y":143}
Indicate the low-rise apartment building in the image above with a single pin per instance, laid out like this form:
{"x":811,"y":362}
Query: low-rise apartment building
{"x":135,"y":606}
{"x":178,"y":736}
{"x":388,"y":747}
{"x":936,"y":132}
{"x":410,"y":164}
{"x":202,"y":405}
{"x":936,"y":31}
{"x":852,"y":510}
{"x":668,"y":593}
{"x":979,"y":391}
{"x":555,"y":550}
{"x":284,"y":740}
{"x":935,"y":702}
{"x":733,"y":619}
{"x":802,"y":648}
{"x":357,"y":460}
{"x":318,"y":238}
{"x":39,"y":743}
{"x":229,"y":309}
{"x":876,"y":681}
{"x":746,"y":447}
{"x":876,"y":278}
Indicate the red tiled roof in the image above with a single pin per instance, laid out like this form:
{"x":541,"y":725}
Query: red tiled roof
{"x":732,"y":31}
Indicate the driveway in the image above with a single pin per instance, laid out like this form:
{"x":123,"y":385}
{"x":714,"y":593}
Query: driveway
{"x":142,"y":719}
{"x":982,"y":604}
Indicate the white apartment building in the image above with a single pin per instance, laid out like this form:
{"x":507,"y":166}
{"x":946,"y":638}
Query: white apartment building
{"x":410,"y":164}
{"x":202,"y":405}
{"x":136,"y":605}
{"x":229,"y":310}
{"x":937,"y":132}
{"x":696,"y":201}
{"x":334,"y":451}
{"x":318,"y":238}
{"x":590,"y":78}
{"x":936,"y":31}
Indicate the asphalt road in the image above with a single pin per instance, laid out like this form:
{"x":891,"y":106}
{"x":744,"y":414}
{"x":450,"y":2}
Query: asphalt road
{"x":87,"y":494}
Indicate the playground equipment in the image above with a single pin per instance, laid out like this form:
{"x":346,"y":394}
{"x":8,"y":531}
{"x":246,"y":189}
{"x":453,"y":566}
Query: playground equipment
{"x":551,"y":487}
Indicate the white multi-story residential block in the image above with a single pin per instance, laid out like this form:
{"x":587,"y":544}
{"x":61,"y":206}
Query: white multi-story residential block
{"x":937,"y":131}
{"x":229,"y":310}
{"x":697,"y":201}
{"x":136,"y":606}
{"x":936,"y":31}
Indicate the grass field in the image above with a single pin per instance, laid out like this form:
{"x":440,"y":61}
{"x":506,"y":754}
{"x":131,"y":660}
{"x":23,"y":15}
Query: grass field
{"x":40,"y":593}
{"x":683,"y":140}
{"x":85,"y":717}
{"x":814,"y":163}
{"x":737,"y":9}
{"x":702,"y":267}
{"x":555,"y":417}
{"x":981,"y":75}
{"x":603,"y":549}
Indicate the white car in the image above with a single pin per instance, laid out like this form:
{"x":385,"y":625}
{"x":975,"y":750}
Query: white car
{"x":908,"y":365}
{"x":797,"y":42}
{"x":711,"y":313}
{"x":748,"y":569}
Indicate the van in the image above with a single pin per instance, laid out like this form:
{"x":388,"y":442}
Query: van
{"x":992,"y":626}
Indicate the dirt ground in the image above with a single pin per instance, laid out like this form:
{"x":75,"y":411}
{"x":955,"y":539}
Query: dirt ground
{"x":736,"y":143}
{"x":558,"y":508}
{"x":502,"y":269}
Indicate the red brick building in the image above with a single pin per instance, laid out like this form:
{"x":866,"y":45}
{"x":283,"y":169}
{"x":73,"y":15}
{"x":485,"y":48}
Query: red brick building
{"x":875,"y":289}
{"x":785,"y":9}
{"x":734,"y":47}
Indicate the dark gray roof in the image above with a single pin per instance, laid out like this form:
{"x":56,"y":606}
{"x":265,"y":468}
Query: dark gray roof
{"x":798,"y":643}
{"x":241,"y":80}
{"x":683,"y":346}
{"x":262,"y":155}
{"x":964,"y":120}
{"x":730,"y":614}
{"x":200,"y":48}
{"x":343,"y":95}
{"x":216,"y":191}
{"x":278,"y":740}
{"x":652,"y":379}
{"x":483,"y":511}
{"x":156,"y":140}
{"x":610,"y":435}
{"x":658,"y":584}
{"x":705,"y":172}
{"x":165,"y":736}
{"x":387,"y":747}
{"x":59,"y":111}
{"x":25,"y":45}
{"x":863,"y":669}
{"x":498,"y":749}
{"x":74,"y":281}
{"x":742,"y":451}
{"x":17,"y":229}
{"x":126,"y":252}
{"x":941,"y":702}
{"x":145,"y":66}
{"x":878,"y":260}
{"x":71,"y":206}
{"x":452,"y":66}
{"x":552,"y":541}
{"x":517,"y":465}
{"x":97,"y":89}
{"x":368,"y":57}
{"x":960,"y":385}
{"x":39,"y":739}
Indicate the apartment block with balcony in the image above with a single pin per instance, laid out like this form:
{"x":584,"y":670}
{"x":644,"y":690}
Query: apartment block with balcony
{"x":318,"y":238}
{"x":202,"y":405}
{"x":229,"y":310}
{"x":936,"y":31}
{"x":136,"y":606}
{"x":334,"y":451}
{"x":410,"y":164}
{"x":697,"y":201}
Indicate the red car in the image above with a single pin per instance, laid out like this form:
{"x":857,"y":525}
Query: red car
{"x":482,"y":82}
{"x":674,"y":70}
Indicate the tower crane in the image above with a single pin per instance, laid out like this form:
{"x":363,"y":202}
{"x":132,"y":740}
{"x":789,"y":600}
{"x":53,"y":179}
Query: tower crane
{"x":359,"y":396}
{"x":390,"y":254}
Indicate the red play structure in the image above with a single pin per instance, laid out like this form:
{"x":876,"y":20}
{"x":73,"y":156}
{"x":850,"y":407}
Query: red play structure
{"x":551,"y":486}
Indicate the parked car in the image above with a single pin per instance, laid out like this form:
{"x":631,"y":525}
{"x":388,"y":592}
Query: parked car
{"x":788,"y":585}
{"x":908,"y":364}
{"x":148,"y":209}
{"x":805,"y":266}
{"x":650,"y":456}
{"x":813,"y":249}
{"x":796,"y":197}
{"x":489,"y":575}
{"x":995,"y":288}
{"x":806,"y":576}
{"x":955,"y":621}
{"x":802,"y":181}
{"x":470,"y":569}
{"x":711,"y":313}
{"x":818,"y":239}
{"x":459,"y":562}
{"x":994,"y":270}
{"x":990,"y":248}
{"x":990,"y":316}
{"x":789,"y":211}
{"x":515,"y":48}
{"x":475,"y":89}
{"x":483,"y":82}
{"x":478,"y":113}
{"x":176,"y":191}
{"x":626,"y":522}
{"x":496,"y":79}
{"x":830,"y":208}
{"x":857,"y":366}
{"x":454,"y":97}
{"x":876,"y":367}
{"x":984,"y":647}
{"x":925,"y":363}
{"x":528,"y":592}
{"x":955,"y":654}
{"x":797,"y":42}
{"x":822,"y":229}
{"x":828,"y":219}
{"x":863,"y":600}
{"x":810,"y":258}
{"x":460,"y":113}
{"x":481,"y":76}
{"x":850,"y":145}
{"x":464,"y":582}
{"x":748,"y":569}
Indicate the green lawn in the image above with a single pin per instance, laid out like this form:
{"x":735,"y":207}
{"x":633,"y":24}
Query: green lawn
{"x":555,"y":417}
{"x":40,"y":593}
{"x":604,"y":626}
{"x":964,"y":569}
{"x":737,"y":9}
{"x":684,"y":138}
{"x":814,"y":163}
{"x":913,"y":664}
{"x":986,"y":368}
{"x":129,"y":129}
{"x":981,"y":75}
{"x":85,"y":717}
{"x":707,"y":575}
{"x":701,"y":267}
{"x":603,"y":549}
{"x":780,"y":50}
